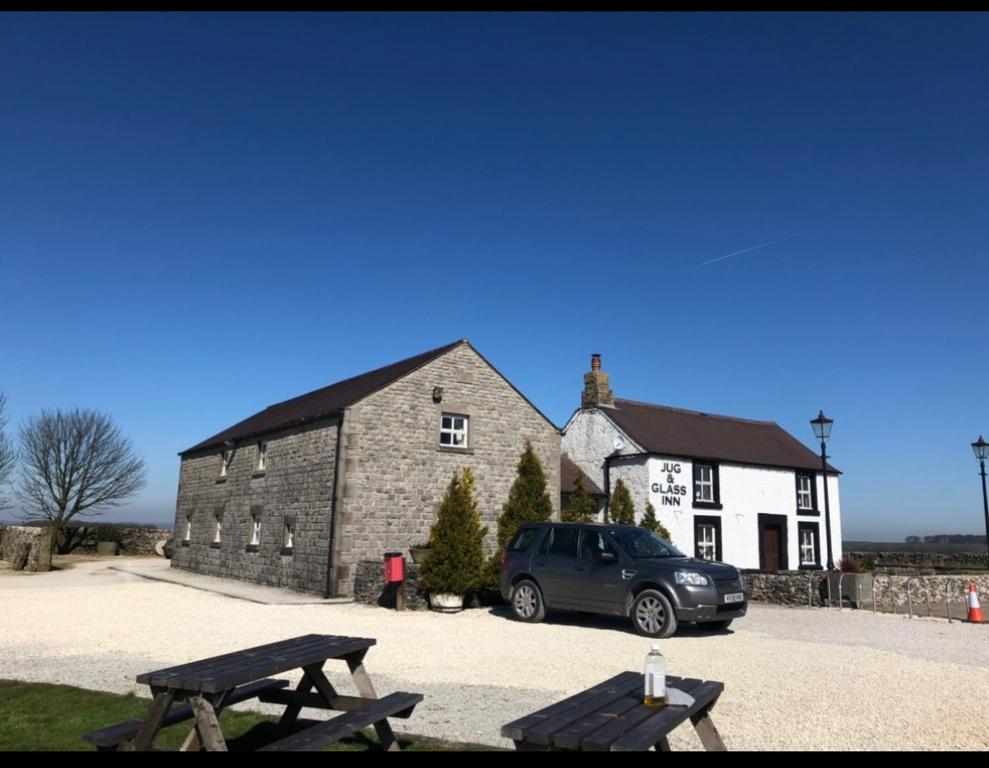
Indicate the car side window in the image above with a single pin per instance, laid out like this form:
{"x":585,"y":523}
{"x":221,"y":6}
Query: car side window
{"x":593,"y":545}
{"x":561,"y":542}
{"x":523,"y":540}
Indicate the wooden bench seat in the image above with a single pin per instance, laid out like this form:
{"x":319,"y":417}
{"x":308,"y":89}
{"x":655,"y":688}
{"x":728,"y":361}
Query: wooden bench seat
{"x":111,"y":736}
{"x":398,"y":704}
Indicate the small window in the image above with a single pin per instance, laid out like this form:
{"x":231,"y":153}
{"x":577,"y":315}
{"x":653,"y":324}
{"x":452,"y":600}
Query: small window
{"x":262,"y":457}
{"x":217,"y":528}
{"x":808,"y":545}
{"x":706,"y":542}
{"x":707,"y":538}
{"x":225,"y":457}
{"x":187,"y":535}
{"x":255,"y":530}
{"x":453,"y":431}
{"x":288,"y":539}
{"x":704,"y":483}
{"x":806,"y":492}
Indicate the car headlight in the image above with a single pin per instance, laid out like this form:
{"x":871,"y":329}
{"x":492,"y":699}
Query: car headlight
{"x":691,"y":578}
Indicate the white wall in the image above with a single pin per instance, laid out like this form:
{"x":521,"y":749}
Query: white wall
{"x":588,"y":438}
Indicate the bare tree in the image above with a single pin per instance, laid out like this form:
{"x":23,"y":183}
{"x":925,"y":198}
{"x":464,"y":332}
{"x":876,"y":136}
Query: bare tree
{"x":74,"y":463}
{"x":8,"y":456}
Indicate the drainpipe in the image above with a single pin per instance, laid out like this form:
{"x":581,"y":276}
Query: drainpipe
{"x":335,"y":506}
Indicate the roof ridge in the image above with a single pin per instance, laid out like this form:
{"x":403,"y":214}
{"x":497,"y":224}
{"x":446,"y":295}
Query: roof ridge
{"x":696,"y":413}
{"x":429,"y":353}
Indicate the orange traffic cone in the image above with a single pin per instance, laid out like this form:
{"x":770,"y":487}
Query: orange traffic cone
{"x":974,"y":609}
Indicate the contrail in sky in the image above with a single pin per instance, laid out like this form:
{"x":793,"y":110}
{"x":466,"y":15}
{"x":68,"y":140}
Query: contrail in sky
{"x":746,"y":250}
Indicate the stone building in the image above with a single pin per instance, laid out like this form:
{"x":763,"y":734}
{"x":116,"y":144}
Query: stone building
{"x":742,"y":491}
{"x":299,"y":493}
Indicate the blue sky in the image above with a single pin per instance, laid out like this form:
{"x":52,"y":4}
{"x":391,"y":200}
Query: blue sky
{"x":202,"y":215}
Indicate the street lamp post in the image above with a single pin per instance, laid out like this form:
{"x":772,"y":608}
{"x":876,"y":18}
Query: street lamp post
{"x":822,"y":429}
{"x":981,"y":450}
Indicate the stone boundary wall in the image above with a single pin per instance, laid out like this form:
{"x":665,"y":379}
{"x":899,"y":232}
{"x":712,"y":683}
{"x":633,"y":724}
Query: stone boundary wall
{"x":925,"y":559}
{"x":133,"y":539}
{"x":13,"y":537}
{"x":371,"y":588}
{"x":805,"y":588}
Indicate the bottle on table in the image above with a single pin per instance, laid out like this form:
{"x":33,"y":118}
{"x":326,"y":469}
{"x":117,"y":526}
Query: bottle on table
{"x":655,"y":693}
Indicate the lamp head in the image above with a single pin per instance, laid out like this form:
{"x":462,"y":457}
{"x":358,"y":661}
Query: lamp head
{"x":822,"y":426}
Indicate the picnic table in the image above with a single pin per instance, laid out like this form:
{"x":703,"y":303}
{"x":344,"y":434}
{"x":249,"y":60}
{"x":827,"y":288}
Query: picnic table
{"x":610,"y":716}
{"x":210,"y":685}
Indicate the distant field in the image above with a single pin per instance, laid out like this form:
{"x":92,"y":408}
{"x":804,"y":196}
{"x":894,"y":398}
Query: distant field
{"x":900,"y":546}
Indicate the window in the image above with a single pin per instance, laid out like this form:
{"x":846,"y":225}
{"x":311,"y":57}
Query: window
{"x":187,"y":535}
{"x":706,"y":546}
{"x":806,"y":493}
{"x":217,"y":528}
{"x":638,"y":543}
{"x":225,"y":457}
{"x":707,"y":492}
{"x":593,"y":545}
{"x":262,"y":457}
{"x":288,"y":537}
{"x":809,"y":545}
{"x":707,"y":538}
{"x":523,"y":540}
{"x":453,"y":431}
{"x":561,"y":542}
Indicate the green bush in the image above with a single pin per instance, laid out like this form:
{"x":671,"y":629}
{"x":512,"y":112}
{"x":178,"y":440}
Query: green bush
{"x":621,"y":509}
{"x":868,"y":563}
{"x":528,"y":502}
{"x":581,"y":507}
{"x":455,"y":563}
{"x":650,"y":523}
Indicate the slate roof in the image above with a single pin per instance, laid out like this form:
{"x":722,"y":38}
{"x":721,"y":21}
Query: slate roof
{"x":669,"y":431}
{"x":568,"y":471}
{"x":321,"y":403}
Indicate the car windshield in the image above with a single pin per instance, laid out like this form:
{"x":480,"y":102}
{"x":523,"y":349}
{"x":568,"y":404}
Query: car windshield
{"x":639,"y":543}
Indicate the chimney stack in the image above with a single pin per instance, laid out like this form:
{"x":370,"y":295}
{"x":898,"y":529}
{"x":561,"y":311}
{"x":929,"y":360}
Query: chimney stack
{"x":596,"y":392}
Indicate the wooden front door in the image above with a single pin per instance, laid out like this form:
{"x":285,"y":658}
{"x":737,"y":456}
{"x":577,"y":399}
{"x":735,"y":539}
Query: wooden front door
{"x":771,"y":548}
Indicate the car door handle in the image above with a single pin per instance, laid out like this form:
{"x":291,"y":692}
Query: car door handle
{"x":626,"y":574}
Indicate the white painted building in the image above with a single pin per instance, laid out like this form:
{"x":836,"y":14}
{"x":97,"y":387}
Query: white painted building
{"x":740,"y":491}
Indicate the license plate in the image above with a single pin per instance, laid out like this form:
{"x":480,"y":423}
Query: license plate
{"x":735,"y":597}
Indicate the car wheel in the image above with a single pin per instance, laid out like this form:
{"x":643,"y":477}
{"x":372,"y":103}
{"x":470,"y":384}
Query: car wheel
{"x":717,"y":625}
{"x":527,"y":602}
{"x":652,"y":614}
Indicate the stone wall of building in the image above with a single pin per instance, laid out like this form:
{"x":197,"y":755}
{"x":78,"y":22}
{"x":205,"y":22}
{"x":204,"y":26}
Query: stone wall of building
{"x":133,"y":539}
{"x":39,"y":538}
{"x":296,"y":487}
{"x":395,"y":471}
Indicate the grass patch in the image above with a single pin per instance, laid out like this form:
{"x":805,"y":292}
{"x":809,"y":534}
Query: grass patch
{"x":41,"y":717}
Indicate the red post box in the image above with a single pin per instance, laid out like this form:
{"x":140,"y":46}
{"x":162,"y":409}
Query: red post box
{"x":394,"y":567}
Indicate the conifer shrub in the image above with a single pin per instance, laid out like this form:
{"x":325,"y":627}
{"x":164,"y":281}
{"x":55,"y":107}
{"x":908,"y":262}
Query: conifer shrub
{"x":455,"y":562}
{"x":651,"y":523}
{"x":621,"y":509}
{"x":581,"y":505}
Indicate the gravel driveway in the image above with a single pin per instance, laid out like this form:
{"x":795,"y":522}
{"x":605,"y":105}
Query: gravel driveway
{"x":800,"y":679}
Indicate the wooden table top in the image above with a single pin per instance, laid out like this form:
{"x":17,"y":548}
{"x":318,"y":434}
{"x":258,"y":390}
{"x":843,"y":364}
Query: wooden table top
{"x":221,"y":673}
{"x":611,"y":716}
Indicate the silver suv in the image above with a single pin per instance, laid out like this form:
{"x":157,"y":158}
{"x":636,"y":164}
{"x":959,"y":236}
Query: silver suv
{"x":618,"y":570}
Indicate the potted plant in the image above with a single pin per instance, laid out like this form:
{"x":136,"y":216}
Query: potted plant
{"x":418,"y":552}
{"x":454,"y":565}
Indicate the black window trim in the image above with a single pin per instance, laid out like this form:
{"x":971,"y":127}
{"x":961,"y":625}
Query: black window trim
{"x":803,"y":525}
{"x":716,"y":522}
{"x":715,"y":480}
{"x":813,"y":493}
